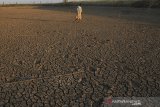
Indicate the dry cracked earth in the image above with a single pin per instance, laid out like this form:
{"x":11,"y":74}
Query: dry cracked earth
{"x":48,"y":60}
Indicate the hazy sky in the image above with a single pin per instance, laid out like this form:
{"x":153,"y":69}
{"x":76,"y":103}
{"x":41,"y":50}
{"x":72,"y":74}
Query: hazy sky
{"x":38,"y":1}
{"x":29,"y":1}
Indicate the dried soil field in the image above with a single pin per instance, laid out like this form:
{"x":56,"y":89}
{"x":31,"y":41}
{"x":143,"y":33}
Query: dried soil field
{"x":48,"y":60}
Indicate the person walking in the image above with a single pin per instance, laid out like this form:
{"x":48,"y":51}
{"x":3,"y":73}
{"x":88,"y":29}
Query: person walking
{"x":79,"y":13}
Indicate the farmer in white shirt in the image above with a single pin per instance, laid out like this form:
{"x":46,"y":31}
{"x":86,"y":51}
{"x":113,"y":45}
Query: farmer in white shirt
{"x":79,"y":13}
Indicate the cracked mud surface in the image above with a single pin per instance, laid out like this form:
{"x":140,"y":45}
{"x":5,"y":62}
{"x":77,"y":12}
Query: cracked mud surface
{"x":48,"y":60}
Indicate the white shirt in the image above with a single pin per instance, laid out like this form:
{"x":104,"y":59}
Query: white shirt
{"x":79,"y":9}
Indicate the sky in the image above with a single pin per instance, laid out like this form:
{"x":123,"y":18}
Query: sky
{"x":38,"y":1}
{"x":29,"y":1}
{"x":33,"y":1}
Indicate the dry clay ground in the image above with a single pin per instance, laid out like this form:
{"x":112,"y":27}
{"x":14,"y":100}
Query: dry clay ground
{"x":46,"y":59}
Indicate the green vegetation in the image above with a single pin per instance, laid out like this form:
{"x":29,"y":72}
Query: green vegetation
{"x":126,"y":3}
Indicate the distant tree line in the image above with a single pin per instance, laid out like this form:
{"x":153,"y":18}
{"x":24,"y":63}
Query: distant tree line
{"x":128,"y":3}
{"x":146,"y":3}
{"x":117,"y":3}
